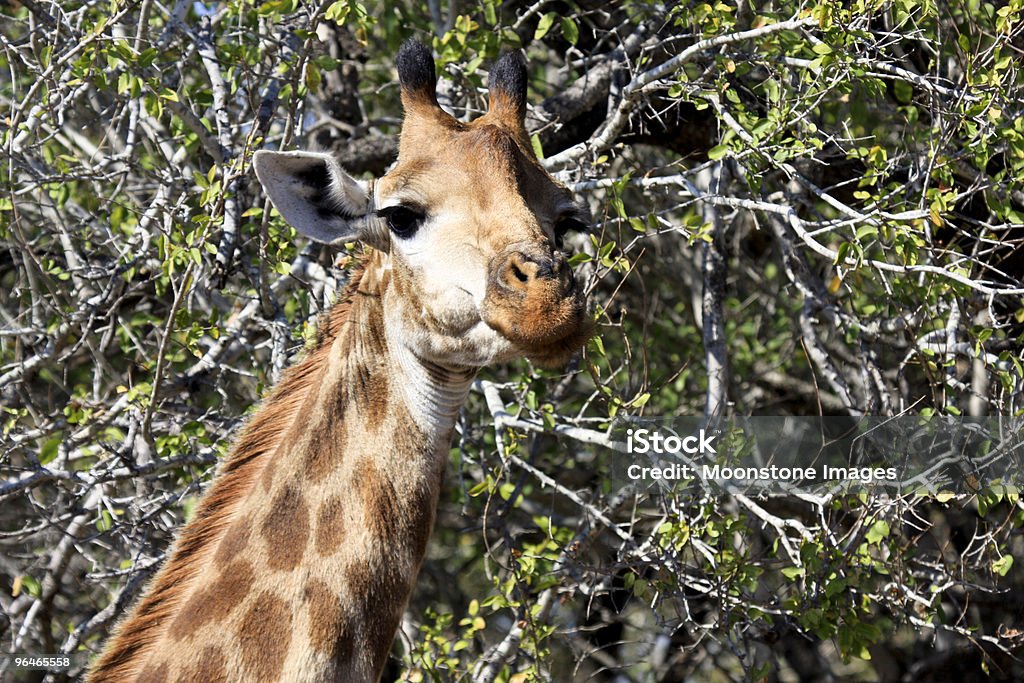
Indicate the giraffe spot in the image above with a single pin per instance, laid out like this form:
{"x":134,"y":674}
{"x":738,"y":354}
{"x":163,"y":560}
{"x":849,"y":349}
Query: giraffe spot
{"x":216,"y":601}
{"x":410,"y":437}
{"x":286,"y":529}
{"x":374,"y":586}
{"x":330,"y":527}
{"x":211,"y":667}
{"x":277,"y":454}
{"x":328,"y":632}
{"x":381,"y":511}
{"x":374,"y":327}
{"x":153,"y":674}
{"x":263,"y":638}
{"x":233,"y":542}
{"x":377,"y":392}
{"x":380,"y":595}
{"x":371,"y":391}
{"x":419,"y":505}
{"x":326,"y":446}
{"x":421,"y":509}
{"x":370,"y":384}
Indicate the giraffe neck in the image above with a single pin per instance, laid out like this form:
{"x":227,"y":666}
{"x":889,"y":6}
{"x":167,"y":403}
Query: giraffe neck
{"x":433,"y":393}
{"x":307,"y":578}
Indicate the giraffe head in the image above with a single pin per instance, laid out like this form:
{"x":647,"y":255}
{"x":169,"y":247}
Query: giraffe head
{"x":468,"y":220}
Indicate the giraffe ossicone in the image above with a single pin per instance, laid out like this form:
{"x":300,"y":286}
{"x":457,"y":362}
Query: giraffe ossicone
{"x":302,"y":554}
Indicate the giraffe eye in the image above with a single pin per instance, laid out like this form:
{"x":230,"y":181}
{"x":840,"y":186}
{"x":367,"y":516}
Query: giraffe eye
{"x":403,"y":221}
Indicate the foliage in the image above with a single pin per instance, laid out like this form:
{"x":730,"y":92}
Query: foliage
{"x":813,"y":208}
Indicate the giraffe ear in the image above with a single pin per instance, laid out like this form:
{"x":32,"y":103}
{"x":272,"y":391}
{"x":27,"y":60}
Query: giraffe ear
{"x":506,"y":91}
{"x":416,"y":75}
{"x":315,"y":195}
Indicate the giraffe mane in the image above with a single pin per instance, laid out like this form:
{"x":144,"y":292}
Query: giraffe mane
{"x":237,"y":475}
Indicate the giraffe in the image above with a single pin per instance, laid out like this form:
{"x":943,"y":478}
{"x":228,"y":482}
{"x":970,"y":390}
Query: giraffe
{"x":301,"y":556}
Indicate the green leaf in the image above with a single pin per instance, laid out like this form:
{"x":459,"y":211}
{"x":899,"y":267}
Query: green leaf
{"x":49,"y":450}
{"x":866,"y":231}
{"x":147,"y":57}
{"x":878,"y":531}
{"x":834,"y":588}
{"x":338,"y":12}
{"x":104,"y":522}
{"x":841,"y":253}
{"x":538,"y":148}
{"x":718,"y":152}
{"x":792,"y":572}
{"x":312,"y":77}
{"x":1002,"y":565}
{"x":576,"y":259}
{"x":31,"y":585}
{"x":544,"y":25}
{"x":904,"y":91}
{"x":570,"y":30}
{"x":327,"y":62}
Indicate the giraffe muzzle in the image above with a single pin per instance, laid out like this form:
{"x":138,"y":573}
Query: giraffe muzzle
{"x":532,"y":300}
{"x":531,"y":272}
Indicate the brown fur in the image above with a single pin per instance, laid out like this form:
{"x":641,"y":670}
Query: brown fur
{"x":328,"y":444}
{"x":154,"y":674}
{"x":286,"y":529}
{"x":381,"y":511}
{"x":375,"y":399}
{"x":503,"y":111}
{"x":211,"y":667}
{"x":234,"y":542}
{"x":326,"y":632}
{"x":264,"y":637}
{"x":330,"y":527}
{"x":368,"y":384}
{"x":382,"y":590}
{"x":263,"y":435}
{"x":215,"y":602}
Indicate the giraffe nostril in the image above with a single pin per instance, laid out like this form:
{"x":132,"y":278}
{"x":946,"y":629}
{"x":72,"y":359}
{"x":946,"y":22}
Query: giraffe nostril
{"x":522,"y":270}
{"x":519,"y":274}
